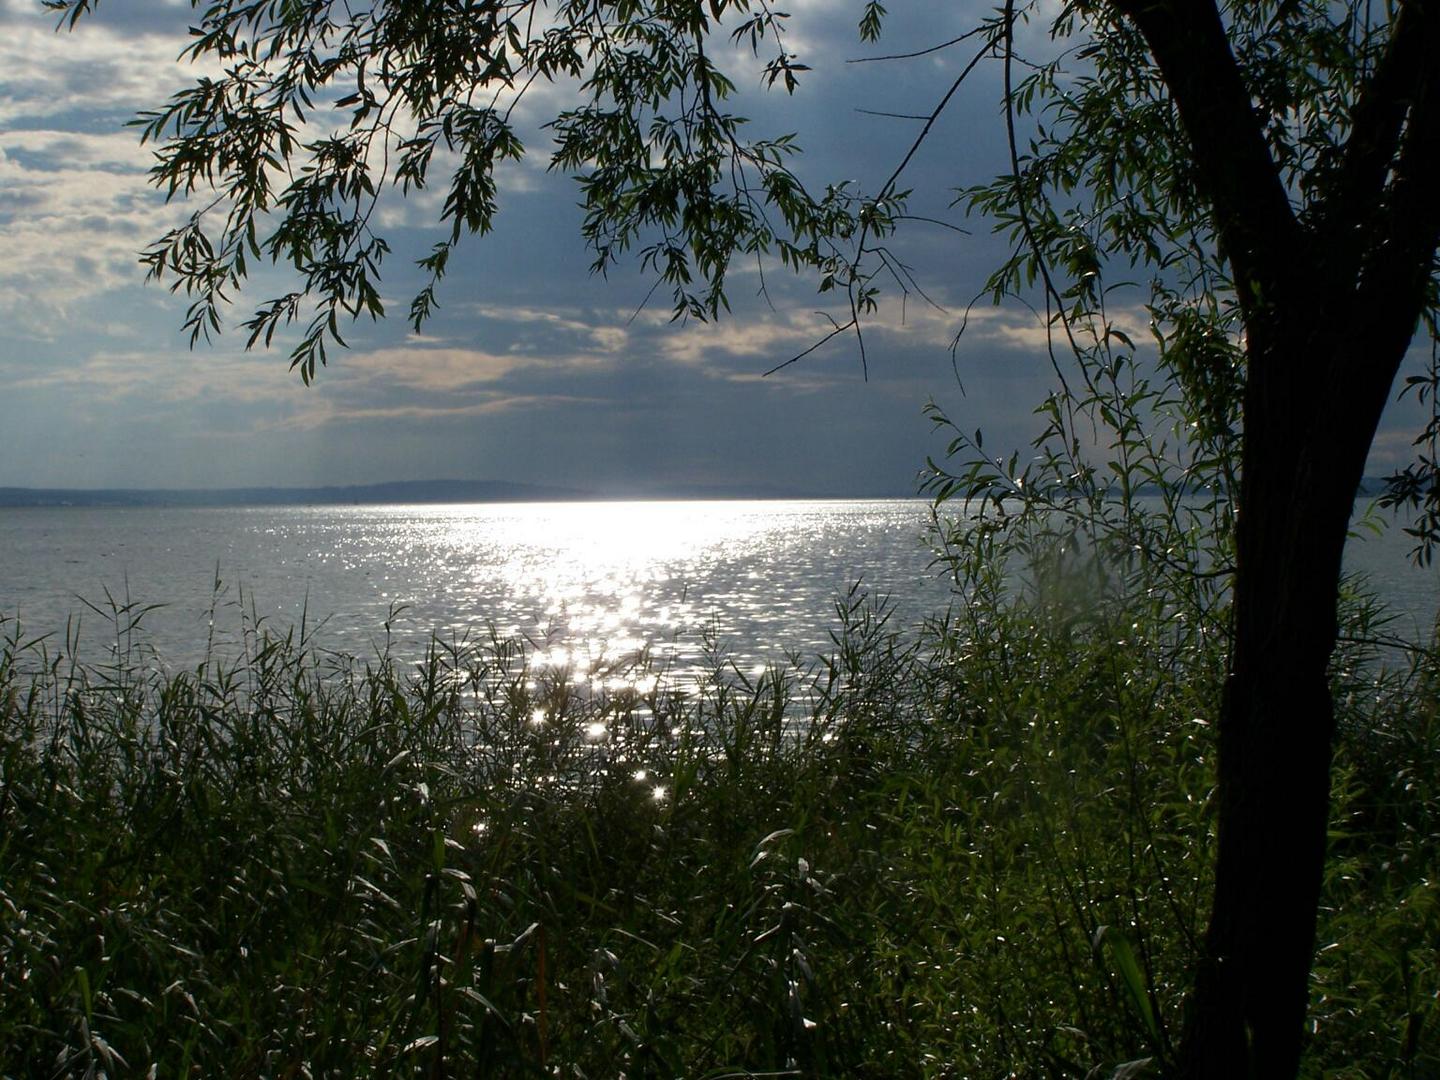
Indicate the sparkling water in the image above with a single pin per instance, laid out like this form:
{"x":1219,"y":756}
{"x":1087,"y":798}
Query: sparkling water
{"x":586,"y":583}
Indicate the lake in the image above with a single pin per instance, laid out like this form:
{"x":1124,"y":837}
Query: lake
{"x":586,"y":582}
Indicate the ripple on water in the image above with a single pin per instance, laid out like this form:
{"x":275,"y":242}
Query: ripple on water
{"x":588,"y":584}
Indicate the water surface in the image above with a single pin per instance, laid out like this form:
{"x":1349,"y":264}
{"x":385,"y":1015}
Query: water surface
{"x":586,"y":583}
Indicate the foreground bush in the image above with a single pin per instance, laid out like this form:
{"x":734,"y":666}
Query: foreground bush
{"x":982,"y":853}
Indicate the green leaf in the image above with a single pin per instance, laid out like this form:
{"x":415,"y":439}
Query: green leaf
{"x":1127,"y":968}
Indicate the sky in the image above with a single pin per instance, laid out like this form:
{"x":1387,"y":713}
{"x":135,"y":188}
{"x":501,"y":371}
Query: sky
{"x":534,"y":369}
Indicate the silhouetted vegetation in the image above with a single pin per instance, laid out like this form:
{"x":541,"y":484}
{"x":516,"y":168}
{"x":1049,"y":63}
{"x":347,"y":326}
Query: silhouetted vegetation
{"x":984,"y":851}
{"x":1252,"y":184}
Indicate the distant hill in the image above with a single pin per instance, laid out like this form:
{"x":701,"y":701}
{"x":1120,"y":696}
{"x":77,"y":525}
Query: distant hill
{"x":438,"y":491}
{"x":400,"y":491}
{"x":751,"y":491}
{"x":405,"y":491}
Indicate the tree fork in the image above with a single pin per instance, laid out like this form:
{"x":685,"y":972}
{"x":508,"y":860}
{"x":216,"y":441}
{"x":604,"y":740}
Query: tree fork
{"x":1323,"y":349}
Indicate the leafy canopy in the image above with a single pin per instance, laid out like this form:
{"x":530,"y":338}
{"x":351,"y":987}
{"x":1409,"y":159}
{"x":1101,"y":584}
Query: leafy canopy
{"x":325,"y":109}
{"x":320,"y":111}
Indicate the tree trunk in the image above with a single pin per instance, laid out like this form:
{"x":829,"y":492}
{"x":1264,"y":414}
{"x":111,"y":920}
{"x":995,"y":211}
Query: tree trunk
{"x":1306,"y":442}
{"x":1275,"y":733}
{"x":1330,"y":304}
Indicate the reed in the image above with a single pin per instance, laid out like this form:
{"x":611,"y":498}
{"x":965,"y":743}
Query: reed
{"x":979,"y":851}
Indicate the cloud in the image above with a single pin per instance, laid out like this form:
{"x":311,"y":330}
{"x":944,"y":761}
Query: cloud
{"x":790,"y":381}
{"x":155,"y":380}
{"x":601,"y":336}
{"x":1015,"y":328}
{"x":777,"y":336}
{"x":567,"y":378}
{"x":75,"y":207}
{"x":445,"y":369}
{"x":102,"y":66}
{"x":490,"y":403}
{"x":437,"y":382}
{"x":414,"y":382}
{"x":772,"y":339}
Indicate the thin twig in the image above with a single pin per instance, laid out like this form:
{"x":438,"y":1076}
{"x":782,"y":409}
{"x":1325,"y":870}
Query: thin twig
{"x":922,"y":52}
{"x":892,"y":115}
{"x":840,"y":328}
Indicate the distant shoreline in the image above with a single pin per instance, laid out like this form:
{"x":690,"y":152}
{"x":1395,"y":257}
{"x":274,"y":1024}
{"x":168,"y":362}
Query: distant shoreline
{"x":436,"y":492}
{"x":407,"y":491}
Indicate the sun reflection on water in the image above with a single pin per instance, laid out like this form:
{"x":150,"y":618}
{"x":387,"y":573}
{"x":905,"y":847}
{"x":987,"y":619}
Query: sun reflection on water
{"x":608,"y":582}
{"x":589,"y":587}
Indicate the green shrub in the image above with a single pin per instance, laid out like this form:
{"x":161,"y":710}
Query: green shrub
{"x":979,"y":851}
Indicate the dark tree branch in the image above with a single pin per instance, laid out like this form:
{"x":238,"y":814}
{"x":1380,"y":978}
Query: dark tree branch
{"x":921,"y":52}
{"x":1376,"y":123}
{"x":889,"y":186}
{"x":1257,"y":226}
{"x":1400,"y":258}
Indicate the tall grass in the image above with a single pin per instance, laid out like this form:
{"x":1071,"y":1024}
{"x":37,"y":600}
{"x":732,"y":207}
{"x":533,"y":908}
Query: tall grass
{"x":980,"y":852}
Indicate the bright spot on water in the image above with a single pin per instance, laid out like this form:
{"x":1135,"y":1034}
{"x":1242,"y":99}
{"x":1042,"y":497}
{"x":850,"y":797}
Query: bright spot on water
{"x":589,"y":586}
{"x":658,"y":793}
{"x":641,"y":775}
{"x":612,"y":578}
{"x":595,"y":731}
